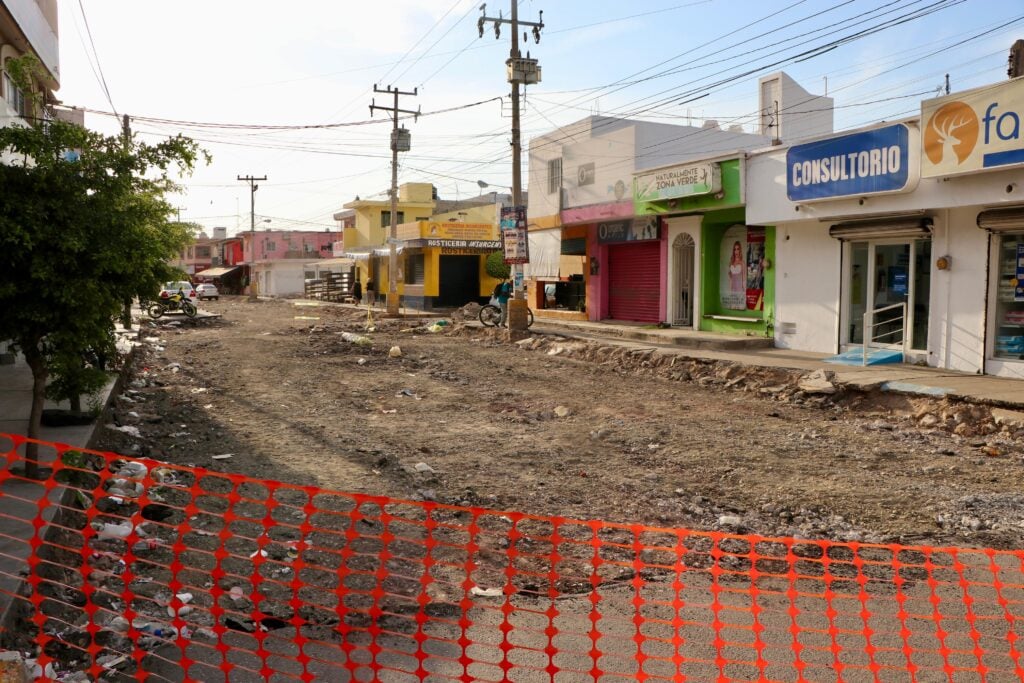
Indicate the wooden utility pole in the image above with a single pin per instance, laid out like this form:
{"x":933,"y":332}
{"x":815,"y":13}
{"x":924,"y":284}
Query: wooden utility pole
{"x":527,"y":72}
{"x":401,"y":141}
{"x":252,"y":231}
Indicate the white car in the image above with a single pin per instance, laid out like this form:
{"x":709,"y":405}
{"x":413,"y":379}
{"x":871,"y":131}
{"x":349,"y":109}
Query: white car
{"x":171,"y":288}
{"x":207,"y":290}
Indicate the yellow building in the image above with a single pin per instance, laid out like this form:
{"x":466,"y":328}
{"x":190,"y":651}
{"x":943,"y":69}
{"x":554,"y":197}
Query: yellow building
{"x":366,"y":240}
{"x":442,"y":255}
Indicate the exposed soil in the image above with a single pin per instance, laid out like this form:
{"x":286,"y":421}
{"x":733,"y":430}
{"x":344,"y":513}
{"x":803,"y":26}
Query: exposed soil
{"x":561,"y":427}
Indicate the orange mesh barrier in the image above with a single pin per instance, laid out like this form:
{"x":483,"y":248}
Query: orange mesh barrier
{"x":139,"y":570}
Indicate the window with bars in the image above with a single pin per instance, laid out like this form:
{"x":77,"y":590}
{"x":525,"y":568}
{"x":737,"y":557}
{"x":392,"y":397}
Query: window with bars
{"x":385,"y":218}
{"x":15,"y":97}
{"x":415,"y":272}
{"x":554,"y":175}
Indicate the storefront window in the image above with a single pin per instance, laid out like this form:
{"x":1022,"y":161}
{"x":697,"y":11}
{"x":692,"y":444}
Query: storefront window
{"x":1009,"y":342}
{"x":858,"y":290}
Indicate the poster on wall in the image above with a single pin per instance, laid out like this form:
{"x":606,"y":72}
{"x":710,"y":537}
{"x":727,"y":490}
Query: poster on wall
{"x":514,"y":239}
{"x":733,"y":269}
{"x":755,"y":269}
{"x":1018,"y":285}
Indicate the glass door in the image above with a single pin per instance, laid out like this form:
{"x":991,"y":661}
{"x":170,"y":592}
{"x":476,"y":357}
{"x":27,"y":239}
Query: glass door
{"x":886,"y":273}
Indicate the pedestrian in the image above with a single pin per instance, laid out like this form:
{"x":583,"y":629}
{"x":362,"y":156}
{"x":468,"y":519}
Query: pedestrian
{"x":371,"y":295}
{"x":502,"y":292}
{"x":357,"y":292}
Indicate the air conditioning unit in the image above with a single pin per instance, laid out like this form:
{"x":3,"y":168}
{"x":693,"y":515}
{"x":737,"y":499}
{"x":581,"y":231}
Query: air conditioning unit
{"x":216,"y":261}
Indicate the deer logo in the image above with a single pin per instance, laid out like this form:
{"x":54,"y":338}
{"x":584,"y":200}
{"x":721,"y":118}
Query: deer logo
{"x":951,"y":131}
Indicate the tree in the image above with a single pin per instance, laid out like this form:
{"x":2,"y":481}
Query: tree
{"x":79,"y":234}
{"x":496,"y":267}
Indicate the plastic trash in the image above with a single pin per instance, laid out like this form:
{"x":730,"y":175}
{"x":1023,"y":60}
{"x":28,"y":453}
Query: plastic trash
{"x":152,"y":628}
{"x":357,"y":339}
{"x":134,"y":470}
{"x":106,"y":530}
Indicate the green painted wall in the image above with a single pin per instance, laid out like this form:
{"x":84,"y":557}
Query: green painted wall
{"x":714,"y":224}
{"x":731,"y":195}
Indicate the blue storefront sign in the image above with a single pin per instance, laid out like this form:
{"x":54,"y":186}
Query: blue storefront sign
{"x":861,"y":163}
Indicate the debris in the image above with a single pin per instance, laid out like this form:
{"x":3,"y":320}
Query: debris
{"x":222,"y":456}
{"x":135,"y":470}
{"x":387,"y":411}
{"x":130,"y":430}
{"x":107,"y":530}
{"x":732,"y":521}
{"x":820,"y":381}
{"x":357,"y":339}
{"x":200,"y":390}
{"x":361,"y":361}
{"x":562,"y":411}
{"x":407,"y":392}
{"x":395,"y":352}
{"x":486,"y":592}
{"x":424,"y":468}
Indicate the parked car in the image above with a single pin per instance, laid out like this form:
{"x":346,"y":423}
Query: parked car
{"x":185,"y":286}
{"x":207,"y":290}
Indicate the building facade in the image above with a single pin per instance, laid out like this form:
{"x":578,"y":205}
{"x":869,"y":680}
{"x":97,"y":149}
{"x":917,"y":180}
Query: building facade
{"x":907,"y":236}
{"x":278,"y":258}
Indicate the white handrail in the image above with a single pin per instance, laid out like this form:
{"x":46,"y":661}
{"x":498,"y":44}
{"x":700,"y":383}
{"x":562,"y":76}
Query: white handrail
{"x":869,"y":326}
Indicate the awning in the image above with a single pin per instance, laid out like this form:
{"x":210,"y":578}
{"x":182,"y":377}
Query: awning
{"x":340,"y":261}
{"x":882,"y":228}
{"x":216,"y":272}
{"x":1002,"y":220}
{"x":545,"y":253}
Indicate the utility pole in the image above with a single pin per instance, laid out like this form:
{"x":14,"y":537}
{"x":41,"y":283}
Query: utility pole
{"x":401,"y":141}
{"x":527,"y":72}
{"x":252,"y":231}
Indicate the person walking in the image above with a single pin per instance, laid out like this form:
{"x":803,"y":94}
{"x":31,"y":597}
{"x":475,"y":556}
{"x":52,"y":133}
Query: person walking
{"x":357,"y":292}
{"x":502,"y":293}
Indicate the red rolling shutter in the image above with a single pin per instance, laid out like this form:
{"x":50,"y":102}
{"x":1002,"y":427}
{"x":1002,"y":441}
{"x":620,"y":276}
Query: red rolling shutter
{"x":634,"y":281}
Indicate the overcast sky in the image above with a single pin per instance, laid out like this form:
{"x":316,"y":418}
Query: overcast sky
{"x":312,"y":62}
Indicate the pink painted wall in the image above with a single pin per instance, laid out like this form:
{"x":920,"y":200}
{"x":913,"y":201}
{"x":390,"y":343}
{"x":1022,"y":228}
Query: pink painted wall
{"x":272,"y":245}
{"x":597,"y":212}
{"x":598,"y":303}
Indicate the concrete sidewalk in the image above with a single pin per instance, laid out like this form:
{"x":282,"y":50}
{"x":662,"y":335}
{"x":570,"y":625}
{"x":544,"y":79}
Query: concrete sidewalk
{"x":899,"y":378}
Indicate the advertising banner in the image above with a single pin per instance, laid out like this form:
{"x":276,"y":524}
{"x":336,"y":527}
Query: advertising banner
{"x":869,"y":162}
{"x":515,"y":241}
{"x":678,"y":182}
{"x":641,"y":229}
{"x":973,"y":130}
{"x":741,"y":269}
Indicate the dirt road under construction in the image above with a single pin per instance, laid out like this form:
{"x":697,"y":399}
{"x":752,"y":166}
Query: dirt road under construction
{"x":582,"y":429}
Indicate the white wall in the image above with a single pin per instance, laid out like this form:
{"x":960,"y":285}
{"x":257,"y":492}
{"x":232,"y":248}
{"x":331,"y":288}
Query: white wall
{"x":807,"y":277}
{"x":611,"y":151}
{"x":956,"y":324}
{"x":658,"y":144}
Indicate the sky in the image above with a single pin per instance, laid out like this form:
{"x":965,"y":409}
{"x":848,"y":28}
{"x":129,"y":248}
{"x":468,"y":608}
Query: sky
{"x":250,"y":80}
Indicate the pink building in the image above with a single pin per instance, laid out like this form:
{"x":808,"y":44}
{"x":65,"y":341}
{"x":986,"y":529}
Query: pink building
{"x":279,"y":266}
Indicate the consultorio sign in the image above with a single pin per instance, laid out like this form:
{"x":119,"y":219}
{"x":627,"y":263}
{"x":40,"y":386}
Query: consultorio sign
{"x":869,"y":162}
{"x":677,"y":182}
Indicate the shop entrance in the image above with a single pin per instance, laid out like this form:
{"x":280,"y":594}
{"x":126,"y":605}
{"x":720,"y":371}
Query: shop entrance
{"x":885,"y":273}
{"x":459,"y":281}
{"x":634,"y":281}
{"x":684,"y":255}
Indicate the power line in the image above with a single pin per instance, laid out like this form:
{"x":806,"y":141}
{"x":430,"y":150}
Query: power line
{"x":99,"y":67}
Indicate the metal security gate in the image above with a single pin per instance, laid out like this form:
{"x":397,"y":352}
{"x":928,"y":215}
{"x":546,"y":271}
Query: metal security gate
{"x":684,"y":253}
{"x":634,"y":281}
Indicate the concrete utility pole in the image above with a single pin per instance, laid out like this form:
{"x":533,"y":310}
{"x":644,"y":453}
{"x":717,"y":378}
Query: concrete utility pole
{"x":252,"y":231}
{"x":401,"y":141}
{"x":527,"y":72}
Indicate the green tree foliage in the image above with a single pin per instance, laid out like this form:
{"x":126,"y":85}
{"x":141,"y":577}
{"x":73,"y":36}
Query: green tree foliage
{"x":496,"y":266}
{"x":80,"y":234}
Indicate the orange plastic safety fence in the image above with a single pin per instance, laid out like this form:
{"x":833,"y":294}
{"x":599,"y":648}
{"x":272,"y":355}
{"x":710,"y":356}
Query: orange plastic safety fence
{"x":140,"y":570}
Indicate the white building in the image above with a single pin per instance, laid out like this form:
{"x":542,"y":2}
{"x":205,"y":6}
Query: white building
{"x":927,"y":225}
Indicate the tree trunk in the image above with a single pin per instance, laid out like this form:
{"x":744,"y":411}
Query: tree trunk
{"x":76,"y":403}
{"x":37,"y":364}
{"x":126,"y":314}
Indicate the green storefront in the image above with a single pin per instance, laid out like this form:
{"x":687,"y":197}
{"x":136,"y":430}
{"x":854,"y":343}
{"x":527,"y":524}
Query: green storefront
{"x":719,"y":270}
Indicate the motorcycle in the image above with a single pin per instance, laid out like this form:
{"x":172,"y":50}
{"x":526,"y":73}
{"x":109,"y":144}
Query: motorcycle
{"x":173,"y":303}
